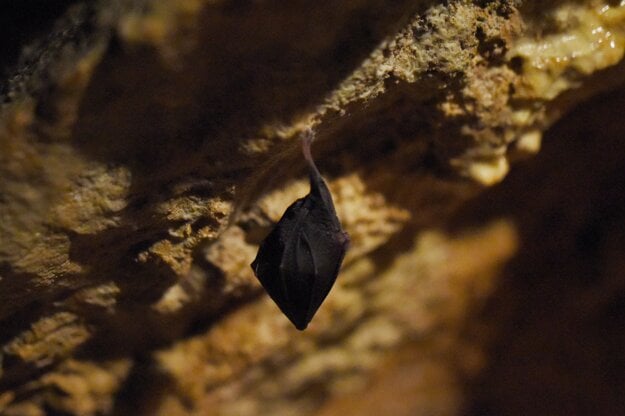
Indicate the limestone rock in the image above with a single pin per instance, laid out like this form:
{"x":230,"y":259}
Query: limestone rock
{"x":148,"y":146}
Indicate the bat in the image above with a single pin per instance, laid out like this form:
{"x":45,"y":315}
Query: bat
{"x":299,"y":260}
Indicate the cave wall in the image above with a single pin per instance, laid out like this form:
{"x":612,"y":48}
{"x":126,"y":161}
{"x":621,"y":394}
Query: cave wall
{"x":147,"y":147}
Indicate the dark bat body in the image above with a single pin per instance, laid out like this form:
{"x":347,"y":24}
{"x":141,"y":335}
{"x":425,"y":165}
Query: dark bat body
{"x":299,"y":260}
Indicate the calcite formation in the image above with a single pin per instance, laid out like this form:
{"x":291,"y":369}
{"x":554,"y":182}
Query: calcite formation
{"x":474,"y":154}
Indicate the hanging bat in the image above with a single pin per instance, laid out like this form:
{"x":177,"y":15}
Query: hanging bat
{"x":299,"y":260}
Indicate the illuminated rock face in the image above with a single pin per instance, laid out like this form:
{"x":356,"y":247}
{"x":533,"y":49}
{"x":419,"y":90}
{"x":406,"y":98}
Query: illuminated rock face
{"x":474,"y":153}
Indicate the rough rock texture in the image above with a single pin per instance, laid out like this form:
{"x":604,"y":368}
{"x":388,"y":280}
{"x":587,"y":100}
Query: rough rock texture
{"x":147,"y":147}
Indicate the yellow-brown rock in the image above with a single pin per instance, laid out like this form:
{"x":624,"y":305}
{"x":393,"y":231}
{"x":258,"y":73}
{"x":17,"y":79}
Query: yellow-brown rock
{"x":475,"y":154}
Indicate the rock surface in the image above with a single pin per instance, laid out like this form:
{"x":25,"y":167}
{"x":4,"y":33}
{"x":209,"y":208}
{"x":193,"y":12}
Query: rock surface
{"x":147,"y":147}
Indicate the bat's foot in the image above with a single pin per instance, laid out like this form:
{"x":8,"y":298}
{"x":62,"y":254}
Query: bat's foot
{"x":307,"y":138}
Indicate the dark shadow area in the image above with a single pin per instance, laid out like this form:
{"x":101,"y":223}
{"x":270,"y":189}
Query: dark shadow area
{"x":251,"y":64}
{"x":143,"y":390}
{"x":556,"y":344}
{"x":24,"y":21}
{"x":38,"y":36}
